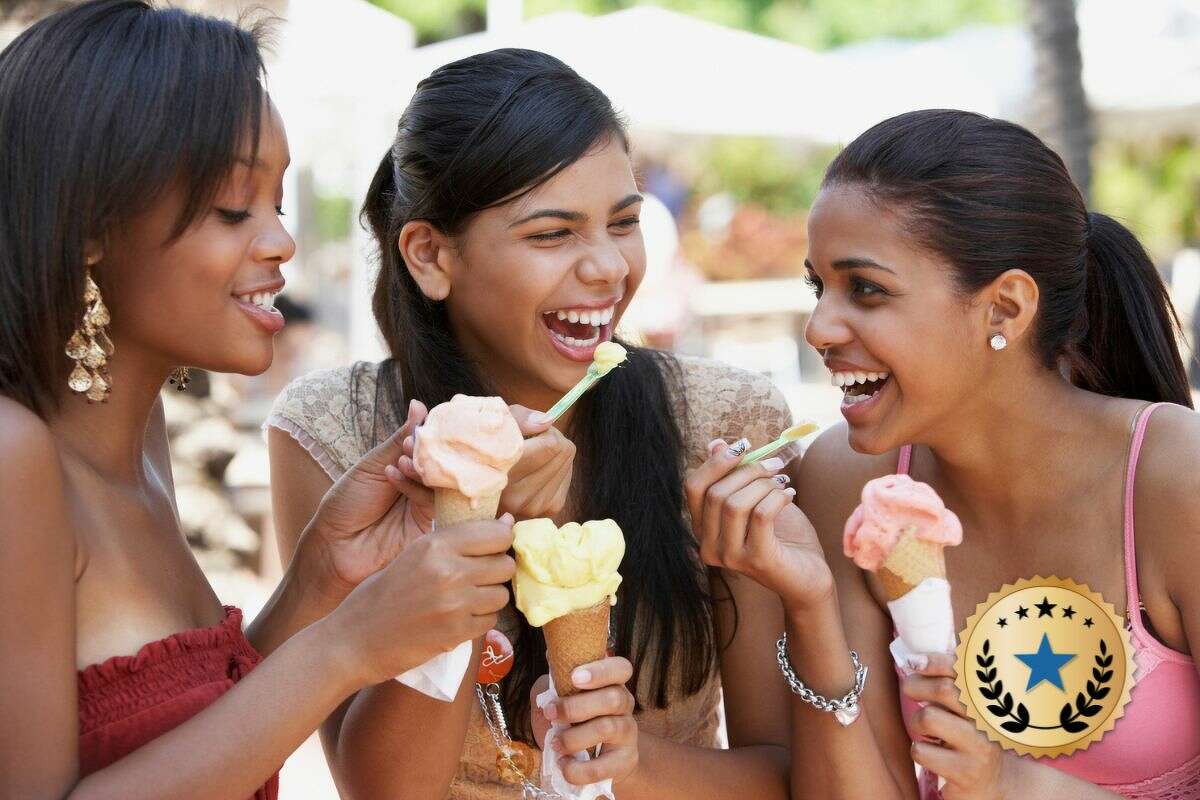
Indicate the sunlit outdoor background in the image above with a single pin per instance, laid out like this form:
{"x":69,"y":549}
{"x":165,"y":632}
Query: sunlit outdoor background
{"x":735,"y":108}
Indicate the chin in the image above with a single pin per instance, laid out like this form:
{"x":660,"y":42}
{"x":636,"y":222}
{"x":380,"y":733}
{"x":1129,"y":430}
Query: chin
{"x":869,"y":442}
{"x":245,"y":364}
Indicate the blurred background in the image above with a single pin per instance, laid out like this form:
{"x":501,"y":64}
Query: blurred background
{"x":735,"y":108}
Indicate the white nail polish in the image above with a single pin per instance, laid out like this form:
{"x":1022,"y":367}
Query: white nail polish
{"x":916,"y":662}
{"x":772,"y":464}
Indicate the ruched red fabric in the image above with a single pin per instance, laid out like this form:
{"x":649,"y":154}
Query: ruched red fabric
{"x":127,"y":701}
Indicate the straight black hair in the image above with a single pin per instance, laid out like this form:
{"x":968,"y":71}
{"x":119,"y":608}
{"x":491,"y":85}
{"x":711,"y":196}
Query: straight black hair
{"x":103,"y":107}
{"x":989,"y":196}
{"x":478,"y":133}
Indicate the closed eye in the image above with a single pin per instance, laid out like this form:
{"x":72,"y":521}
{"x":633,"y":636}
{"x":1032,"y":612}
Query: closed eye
{"x":550,"y":235}
{"x":233,"y":216}
{"x":628,"y":224}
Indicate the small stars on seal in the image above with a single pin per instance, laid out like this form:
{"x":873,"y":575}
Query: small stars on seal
{"x":1003,"y":623}
{"x":1087,"y":622}
{"x":1045,"y":607}
{"x":1023,"y":612}
{"x":1068,"y":612}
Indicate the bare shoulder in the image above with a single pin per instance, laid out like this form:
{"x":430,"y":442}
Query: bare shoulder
{"x":31,"y":483}
{"x":725,"y":402}
{"x":829,"y":481}
{"x":1167,"y":487}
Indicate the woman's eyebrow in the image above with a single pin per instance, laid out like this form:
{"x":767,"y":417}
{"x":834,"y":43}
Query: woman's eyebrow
{"x":575,"y":216}
{"x":862,"y":263}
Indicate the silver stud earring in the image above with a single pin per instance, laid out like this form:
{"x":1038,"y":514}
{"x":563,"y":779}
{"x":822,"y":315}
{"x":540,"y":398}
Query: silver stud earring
{"x":998,"y":341}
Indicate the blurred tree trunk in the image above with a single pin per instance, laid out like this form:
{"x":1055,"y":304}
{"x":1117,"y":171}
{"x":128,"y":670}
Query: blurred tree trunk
{"x":1060,"y":110}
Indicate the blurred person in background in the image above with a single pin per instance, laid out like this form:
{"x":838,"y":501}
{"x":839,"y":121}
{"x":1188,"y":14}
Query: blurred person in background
{"x":140,"y":189}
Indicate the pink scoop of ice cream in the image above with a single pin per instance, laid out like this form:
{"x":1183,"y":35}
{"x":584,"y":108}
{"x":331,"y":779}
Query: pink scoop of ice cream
{"x":468,"y":444}
{"x":892,"y":506}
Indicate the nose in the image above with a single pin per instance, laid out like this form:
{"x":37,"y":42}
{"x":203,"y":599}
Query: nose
{"x":274,"y":245}
{"x":826,"y":326}
{"x":604,"y":263}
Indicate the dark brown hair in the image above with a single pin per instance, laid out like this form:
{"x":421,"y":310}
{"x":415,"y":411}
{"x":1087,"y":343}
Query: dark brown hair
{"x":989,"y":196}
{"x":103,"y":107}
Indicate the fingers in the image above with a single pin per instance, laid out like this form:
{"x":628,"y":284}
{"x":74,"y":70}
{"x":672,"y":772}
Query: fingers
{"x":390,"y":450}
{"x":530,"y":422}
{"x":938,"y":690}
{"x":937,"y":759}
{"x":935,"y":722}
{"x":612,"y":763}
{"x":491,"y":570}
{"x":726,"y":507}
{"x":488,"y":600}
{"x":760,"y":535}
{"x":480,"y":538}
{"x":722,"y":460}
{"x":613,"y":671}
{"x":938,"y":664}
{"x":587,"y":735}
{"x":611,"y":701}
{"x":411,"y":488}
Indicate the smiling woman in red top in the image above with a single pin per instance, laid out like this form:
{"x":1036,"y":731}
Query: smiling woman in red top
{"x":140,"y":188}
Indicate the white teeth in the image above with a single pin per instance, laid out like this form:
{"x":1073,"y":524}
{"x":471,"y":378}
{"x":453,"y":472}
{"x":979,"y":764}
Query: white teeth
{"x":861,"y":377}
{"x":608,"y":315}
{"x":562,"y":315}
{"x":854,"y":399}
{"x":572,"y":316}
{"x":261,"y":299}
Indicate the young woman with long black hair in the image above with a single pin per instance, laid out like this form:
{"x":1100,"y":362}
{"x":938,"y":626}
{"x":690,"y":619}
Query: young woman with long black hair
{"x":140,"y":187}
{"x":1019,"y":354}
{"x":506,"y":214}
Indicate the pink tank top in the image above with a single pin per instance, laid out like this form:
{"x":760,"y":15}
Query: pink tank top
{"x":1154,"y":751}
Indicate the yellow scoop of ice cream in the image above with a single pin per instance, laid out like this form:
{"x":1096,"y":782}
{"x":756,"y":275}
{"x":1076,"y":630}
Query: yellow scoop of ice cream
{"x":560,"y":570}
{"x":607,"y":356}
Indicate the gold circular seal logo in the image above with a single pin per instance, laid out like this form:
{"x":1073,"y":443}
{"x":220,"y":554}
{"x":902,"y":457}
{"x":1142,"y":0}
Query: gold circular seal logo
{"x":1045,"y":667}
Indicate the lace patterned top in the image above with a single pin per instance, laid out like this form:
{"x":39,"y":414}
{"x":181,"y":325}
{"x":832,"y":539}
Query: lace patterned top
{"x":332,"y":415}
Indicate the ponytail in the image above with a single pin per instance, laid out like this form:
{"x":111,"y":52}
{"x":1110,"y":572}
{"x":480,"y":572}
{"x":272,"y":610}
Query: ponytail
{"x":1130,"y":348}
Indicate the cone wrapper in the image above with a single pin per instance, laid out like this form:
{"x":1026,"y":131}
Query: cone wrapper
{"x":573,"y":640}
{"x":924,"y":621}
{"x":441,"y":676}
{"x":552,"y":777}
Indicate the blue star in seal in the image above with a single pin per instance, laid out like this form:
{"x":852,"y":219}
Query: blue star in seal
{"x":1044,"y":665}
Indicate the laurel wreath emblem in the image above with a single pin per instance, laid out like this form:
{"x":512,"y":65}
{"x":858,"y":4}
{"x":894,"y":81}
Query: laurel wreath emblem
{"x":1016,"y":715}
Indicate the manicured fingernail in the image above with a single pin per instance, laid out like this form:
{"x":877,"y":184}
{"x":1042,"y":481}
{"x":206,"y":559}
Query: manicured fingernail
{"x":412,"y":407}
{"x":551,"y":711}
{"x":581,"y":678}
{"x":391,"y":472}
{"x":556,"y":745}
{"x":790,"y":492}
{"x":539,"y":418}
{"x":737,"y":448}
{"x":772,"y":464}
{"x":916,"y":662}
{"x":506,"y":518}
{"x":782,"y":480}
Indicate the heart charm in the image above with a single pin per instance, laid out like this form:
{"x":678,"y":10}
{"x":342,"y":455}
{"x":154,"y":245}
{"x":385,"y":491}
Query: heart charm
{"x":497,"y":658}
{"x":847,"y":715}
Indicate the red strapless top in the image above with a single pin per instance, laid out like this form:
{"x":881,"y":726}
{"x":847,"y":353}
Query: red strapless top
{"x":126,"y":701}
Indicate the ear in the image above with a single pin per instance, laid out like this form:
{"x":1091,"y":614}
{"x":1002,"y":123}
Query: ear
{"x":1012,"y":304}
{"x":430,"y":256}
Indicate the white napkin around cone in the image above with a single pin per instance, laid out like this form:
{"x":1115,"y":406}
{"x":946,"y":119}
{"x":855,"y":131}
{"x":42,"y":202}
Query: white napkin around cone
{"x":924,"y":620}
{"x":552,"y":777}
{"x":440,"y":676}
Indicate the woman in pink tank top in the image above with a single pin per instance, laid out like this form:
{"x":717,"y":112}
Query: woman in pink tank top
{"x":998,"y":341}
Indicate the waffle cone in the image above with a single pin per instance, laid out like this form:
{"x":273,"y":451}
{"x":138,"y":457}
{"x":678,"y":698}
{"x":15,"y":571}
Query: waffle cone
{"x":911,"y":561}
{"x":450,"y":507}
{"x":573,"y":640}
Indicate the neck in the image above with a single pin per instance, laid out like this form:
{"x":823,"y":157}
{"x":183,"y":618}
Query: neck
{"x":1002,"y":456}
{"x":111,"y":436}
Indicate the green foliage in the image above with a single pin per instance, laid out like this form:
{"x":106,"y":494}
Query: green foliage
{"x":761,"y":171}
{"x":333,"y":217}
{"x":819,"y":24}
{"x":1154,"y":188}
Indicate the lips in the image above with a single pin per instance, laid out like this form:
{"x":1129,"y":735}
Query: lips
{"x":577,"y":332}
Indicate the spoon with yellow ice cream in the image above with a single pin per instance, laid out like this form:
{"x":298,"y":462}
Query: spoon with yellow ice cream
{"x":792,"y":434}
{"x":608,"y":356}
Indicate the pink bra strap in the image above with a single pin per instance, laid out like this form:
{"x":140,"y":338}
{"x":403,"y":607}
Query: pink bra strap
{"x":905,"y":460}
{"x":1133,"y":598}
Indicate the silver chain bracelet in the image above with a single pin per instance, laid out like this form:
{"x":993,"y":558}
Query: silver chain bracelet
{"x":845,"y":710}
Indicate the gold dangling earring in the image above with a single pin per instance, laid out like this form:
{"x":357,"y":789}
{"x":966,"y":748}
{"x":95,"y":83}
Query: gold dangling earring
{"x":180,"y":377}
{"x":90,"y":347}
